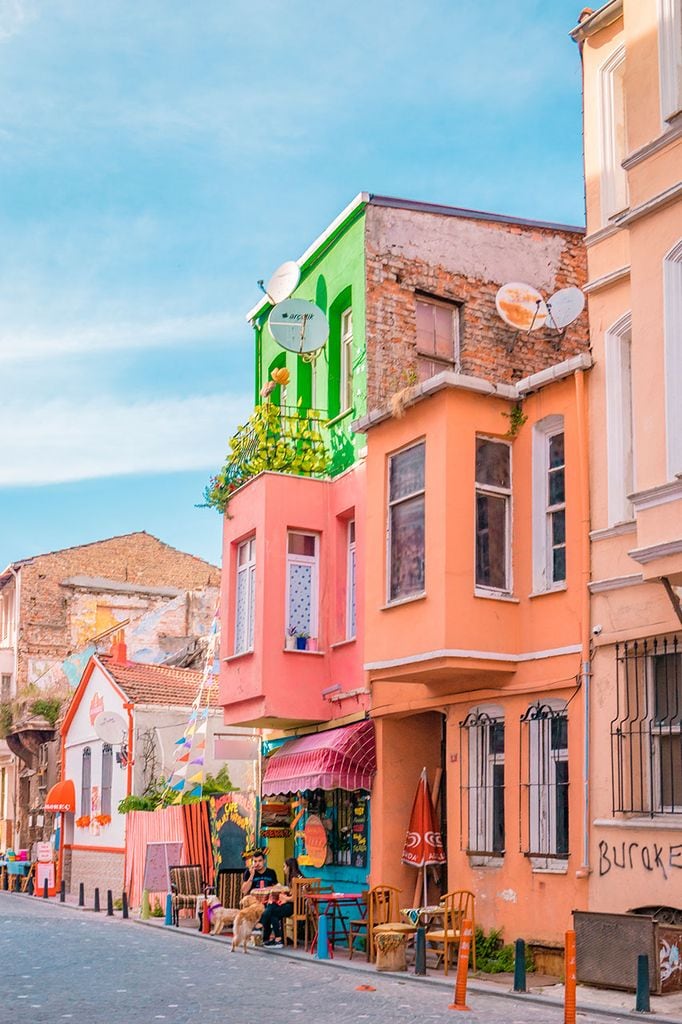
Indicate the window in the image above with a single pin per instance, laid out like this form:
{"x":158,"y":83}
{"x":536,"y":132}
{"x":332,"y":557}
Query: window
{"x":482,"y":768}
{"x":646,"y":733}
{"x":245,"y":602}
{"x":86,"y":781}
{"x":7,"y":617}
{"x":406,"y":522}
{"x":437,"y":337}
{"x":493,"y":514}
{"x":5,"y":688}
{"x":619,"y":421}
{"x":345,"y":818}
{"x":614,"y":184}
{"x":670,"y":56}
{"x":107,"y":772}
{"x":544,"y":766}
{"x":672,"y":300}
{"x":549,"y":504}
{"x":350,"y":583}
{"x":346,"y":374}
{"x":302,"y":584}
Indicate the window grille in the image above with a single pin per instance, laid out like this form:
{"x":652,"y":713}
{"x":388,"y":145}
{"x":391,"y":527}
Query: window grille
{"x":646,"y":734}
{"x":544,"y":781}
{"x":86,"y":769}
{"x":482,"y":783}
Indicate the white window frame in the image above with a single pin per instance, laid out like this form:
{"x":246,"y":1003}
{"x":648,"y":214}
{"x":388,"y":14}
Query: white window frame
{"x":614,"y":180}
{"x":481,"y":778}
{"x":346,"y":362}
{"x":543,"y":431}
{"x":498,"y":492}
{"x":439,"y":364}
{"x":619,"y":421}
{"x":542,"y":824}
{"x":244,"y":632}
{"x":658,"y":734}
{"x":670,"y":58}
{"x":314,"y":561}
{"x":390,"y":505}
{"x":351,"y":581}
{"x":672,"y":302}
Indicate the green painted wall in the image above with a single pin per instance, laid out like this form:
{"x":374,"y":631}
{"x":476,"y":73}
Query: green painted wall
{"x":334,"y":278}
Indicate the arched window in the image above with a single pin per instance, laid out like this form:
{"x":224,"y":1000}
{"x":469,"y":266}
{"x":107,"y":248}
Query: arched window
{"x":482,"y":781}
{"x":672,"y":298}
{"x":86,"y":781}
{"x":107,"y":771}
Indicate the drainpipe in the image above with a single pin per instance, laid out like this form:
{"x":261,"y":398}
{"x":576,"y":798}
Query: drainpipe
{"x":584,"y":475}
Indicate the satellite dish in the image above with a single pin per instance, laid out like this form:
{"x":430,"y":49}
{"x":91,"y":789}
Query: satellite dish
{"x":283,"y":281}
{"x":298,"y":326}
{"x":110,"y":727}
{"x":564,"y":307}
{"x":521,"y":306}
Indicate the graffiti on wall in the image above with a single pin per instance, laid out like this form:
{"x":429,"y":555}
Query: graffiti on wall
{"x":661,"y":858}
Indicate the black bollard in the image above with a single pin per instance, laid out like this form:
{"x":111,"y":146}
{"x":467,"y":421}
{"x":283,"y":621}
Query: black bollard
{"x":45,"y":889}
{"x":642,"y":1003}
{"x":62,"y":891}
{"x":96,"y":902}
{"x":124,"y":904}
{"x":420,"y":952}
{"x":519,"y":966}
{"x":81,"y":895}
{"x":110,"y":903}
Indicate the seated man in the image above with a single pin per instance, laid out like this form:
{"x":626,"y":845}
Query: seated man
{"x":258,"y":876}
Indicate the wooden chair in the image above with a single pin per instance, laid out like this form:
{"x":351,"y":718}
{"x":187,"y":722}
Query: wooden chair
{"x":458,"y":907}
{"x":300,"y":887}
{"x":229,"y":887}
{"x":382,"y":908}
{"x":187,"y":889}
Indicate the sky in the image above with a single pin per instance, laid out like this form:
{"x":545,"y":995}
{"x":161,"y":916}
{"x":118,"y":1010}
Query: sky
{"x":158,"y":158}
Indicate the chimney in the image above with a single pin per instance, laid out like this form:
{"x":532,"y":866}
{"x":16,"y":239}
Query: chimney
{"x":119,"y":651}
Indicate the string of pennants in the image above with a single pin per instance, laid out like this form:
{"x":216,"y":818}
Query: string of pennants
{"x":187,"y":777}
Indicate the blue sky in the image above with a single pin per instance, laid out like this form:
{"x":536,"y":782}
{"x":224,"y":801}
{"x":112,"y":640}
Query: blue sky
{"x":157,"y":158}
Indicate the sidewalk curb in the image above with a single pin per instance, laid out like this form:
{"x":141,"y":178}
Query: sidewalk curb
{"x":474,"y":985}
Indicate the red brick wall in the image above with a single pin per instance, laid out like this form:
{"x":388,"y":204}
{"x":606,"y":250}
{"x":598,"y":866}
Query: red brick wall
{"x":464,"y":260}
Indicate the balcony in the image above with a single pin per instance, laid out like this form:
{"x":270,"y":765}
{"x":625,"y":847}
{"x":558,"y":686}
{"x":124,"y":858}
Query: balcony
{"x":279,"y":439}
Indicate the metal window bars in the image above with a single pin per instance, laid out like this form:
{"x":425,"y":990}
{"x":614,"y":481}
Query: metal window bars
{"x":481,"y":805}
{"x":646,"y":732}
{"x":543,"y":763}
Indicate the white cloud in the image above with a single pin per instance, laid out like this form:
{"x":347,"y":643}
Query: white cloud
{"x":58,"y":441}
{"x":25,"y":343}
{"x":14,"y":14}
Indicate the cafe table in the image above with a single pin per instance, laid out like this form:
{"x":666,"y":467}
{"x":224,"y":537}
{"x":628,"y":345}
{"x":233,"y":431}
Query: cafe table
{"x":422,"y":917}
{"x":332,"y":905}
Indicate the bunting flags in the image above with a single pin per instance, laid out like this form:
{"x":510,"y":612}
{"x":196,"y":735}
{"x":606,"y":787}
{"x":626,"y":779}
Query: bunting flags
{"x":188,"y":770}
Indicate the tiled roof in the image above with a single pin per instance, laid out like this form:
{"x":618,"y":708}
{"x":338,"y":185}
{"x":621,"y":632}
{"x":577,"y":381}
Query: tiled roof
{"x":157,"y":684}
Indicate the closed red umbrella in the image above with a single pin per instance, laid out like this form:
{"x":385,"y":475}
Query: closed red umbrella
{"x":423,"y":842}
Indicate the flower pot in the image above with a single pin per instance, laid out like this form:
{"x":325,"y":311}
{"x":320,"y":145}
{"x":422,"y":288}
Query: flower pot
{"x":301,"y":643}
{"x":312,"y":643}
{"x":291,"y":643}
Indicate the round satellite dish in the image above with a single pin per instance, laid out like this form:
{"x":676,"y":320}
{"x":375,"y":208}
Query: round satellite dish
{"x":110,"y":727}
{"x":298,"y":326}
{"x":283,"y":281}
{"x":521,"y":306}
{"x":564,"y":307}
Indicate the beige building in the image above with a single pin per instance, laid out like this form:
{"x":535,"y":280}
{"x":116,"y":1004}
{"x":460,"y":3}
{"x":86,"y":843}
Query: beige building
{"x":55,"y":605}
{"x":632,"y":72}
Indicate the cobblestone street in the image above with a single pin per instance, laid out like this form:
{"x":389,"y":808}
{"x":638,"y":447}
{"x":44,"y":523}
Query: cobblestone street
{"x":59,"y":964}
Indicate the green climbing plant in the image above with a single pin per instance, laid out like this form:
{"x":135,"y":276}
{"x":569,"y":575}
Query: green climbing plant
{"x":516,"y":419}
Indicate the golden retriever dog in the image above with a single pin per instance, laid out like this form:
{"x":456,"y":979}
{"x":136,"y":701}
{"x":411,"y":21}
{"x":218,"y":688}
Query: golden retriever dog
{"x":221,"y":917}
{"x":248,"y":916}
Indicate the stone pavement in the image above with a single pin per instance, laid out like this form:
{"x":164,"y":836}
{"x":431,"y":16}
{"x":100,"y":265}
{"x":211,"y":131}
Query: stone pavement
{"x":61,"y":965}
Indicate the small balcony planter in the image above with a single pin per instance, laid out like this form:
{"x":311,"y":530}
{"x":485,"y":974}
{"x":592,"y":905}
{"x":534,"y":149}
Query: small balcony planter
{"x":301,"y":643}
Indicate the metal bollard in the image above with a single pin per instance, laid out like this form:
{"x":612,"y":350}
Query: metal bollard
{"x":110,"y":903}
{"x":420,"y":952}
{"x":322,"y":938}
{"x":642,"y":1001}
{"x":62,"y":891}
{"x":96,"y":902}
{"x":124,"y":905}
{"x":81,"y":895}
{"x":169,"y":909}
{"x":519,"y":966}
{"x":45,"y":889}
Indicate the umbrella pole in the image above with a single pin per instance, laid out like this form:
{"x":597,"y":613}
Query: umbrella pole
{"x":426,"y":897}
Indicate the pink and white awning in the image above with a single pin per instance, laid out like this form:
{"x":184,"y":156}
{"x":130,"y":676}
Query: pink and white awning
{"x":342,"y":758}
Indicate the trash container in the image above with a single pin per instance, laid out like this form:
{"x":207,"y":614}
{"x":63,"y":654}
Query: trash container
{"x":391,"y":951}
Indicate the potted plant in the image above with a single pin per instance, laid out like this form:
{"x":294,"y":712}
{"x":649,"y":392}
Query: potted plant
{"x":290,"y":639}
{"x":312,"y":643}
{"x":301,"y":641}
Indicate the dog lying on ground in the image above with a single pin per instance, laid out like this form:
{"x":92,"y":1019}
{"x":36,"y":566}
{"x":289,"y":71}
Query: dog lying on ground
{"x":248,"y":916}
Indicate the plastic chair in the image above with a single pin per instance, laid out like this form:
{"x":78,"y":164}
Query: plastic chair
{"x":458,"y":907}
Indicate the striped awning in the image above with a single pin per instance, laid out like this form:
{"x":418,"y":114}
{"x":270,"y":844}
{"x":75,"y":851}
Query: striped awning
{"x":342,"y":758}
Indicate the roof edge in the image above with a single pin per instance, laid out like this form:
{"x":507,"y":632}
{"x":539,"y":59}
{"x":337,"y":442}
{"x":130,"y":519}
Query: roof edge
{"x":594,"y":21}
{"x":461,"y":211}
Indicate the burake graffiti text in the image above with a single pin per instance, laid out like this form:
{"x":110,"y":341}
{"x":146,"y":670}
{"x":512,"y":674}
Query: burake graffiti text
{"x":631,"y":856}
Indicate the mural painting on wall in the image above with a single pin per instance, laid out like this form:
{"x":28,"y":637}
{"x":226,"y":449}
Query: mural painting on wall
{"x":669,"y":942}
{"x":233,"y":828}
{"x":315,"y":839}
{"x":96,"y":706}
